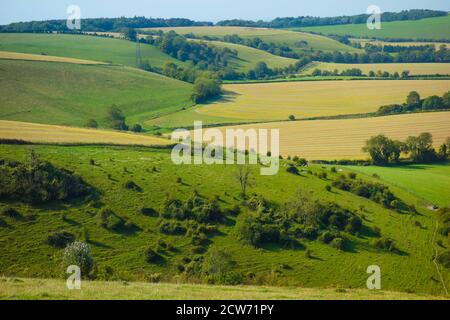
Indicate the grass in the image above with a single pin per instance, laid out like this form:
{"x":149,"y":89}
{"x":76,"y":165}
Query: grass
{"x":69,"y":94}
{"x":48,"y":289}
{"x":293,"y":39}
{"x":414,"y":68}
{"x":424,"y":181}
{"x":36,"y":57}
{"x":25,"y":254}
{"x":85,"y":47}
{"x":276,"y":101}
{"x":343,"y":139}
{"x":432,"y":28}
{"x":248,"y":57}
{"x":43,"y":133}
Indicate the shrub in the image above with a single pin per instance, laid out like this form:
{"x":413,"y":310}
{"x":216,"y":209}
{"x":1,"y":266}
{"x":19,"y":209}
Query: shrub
{"x":60,"y":239}
{"x":328,"y":236}
{"x":385,"y":243}
{"x":91,"y":123}
{"x":328,"y":188}
{"x":130,"y":185}
{"x":151,"y":256}
{"x":292,"y":117}
{"x":109,"y":220}
{"x":352,"y":175}
{"x":136,"y":128}
{"x":11,"y":213}
{"x":293,"y":170}
{"x":79,"y":254}
{"x":149,"y":212}
{"x":172,"y":228}
{"x":444,"y":258}
{"x":338,"y":243}
{"x":333,"y":169}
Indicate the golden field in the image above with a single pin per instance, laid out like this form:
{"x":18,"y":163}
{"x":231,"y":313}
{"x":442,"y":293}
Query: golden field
{"x":414,"y":68}
{"x":59,"y":134}
{"x":343,"y":139}
{"x":304,"y":99}
{"x":38,"y":57}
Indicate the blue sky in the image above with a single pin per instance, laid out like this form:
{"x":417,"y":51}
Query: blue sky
{"x":210,"y":10}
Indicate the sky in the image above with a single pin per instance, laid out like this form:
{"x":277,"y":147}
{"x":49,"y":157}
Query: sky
{"x":203,"y":10}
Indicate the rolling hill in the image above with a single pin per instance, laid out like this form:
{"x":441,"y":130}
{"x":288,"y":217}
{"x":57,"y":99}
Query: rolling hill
{"x":70,"y":94}
{"x":85,"y":47}
{"x":298,"y":41}
{"x":431,"y":28}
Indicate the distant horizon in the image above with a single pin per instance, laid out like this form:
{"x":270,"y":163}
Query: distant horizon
{"x":202,"y":10}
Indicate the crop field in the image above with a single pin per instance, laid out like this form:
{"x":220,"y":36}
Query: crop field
{"x":432,"y":28}
{"x":413,"y":68}
{"x":299,"y":41}
{"x":51,"y":289}
{"x":36,"y":57}
{"x":84,"y":47}
{"x":276,"y":101}
{"x":437,"y":45}
{"x":69,"y":94}
{"x":248,"y":57}
{"x":43,"y":133}
{"x":429,"y":182}
{"x":343,"y":139}
{"x":123,"y":252}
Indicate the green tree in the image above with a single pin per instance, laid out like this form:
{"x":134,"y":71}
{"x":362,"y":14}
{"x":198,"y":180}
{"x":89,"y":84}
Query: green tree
{"x":433,"y":102}
{"x":130,"y":34}
{"x":413,"y":99}
{"x":206,"y":87}
{"x":446,"y":99}
{"x":79,"y":254}
{"x":91,"y":123}
{"x":383,"y":150}
{"x":421,"y":148}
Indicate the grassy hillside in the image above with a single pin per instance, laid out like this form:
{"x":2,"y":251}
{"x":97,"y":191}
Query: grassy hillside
{"x":48,"y":289}
{"x":44,"y":133}
{"x":69,"y":94}
{"x":115,"y":51}
{"x":431,"y":28}
{"x":276,"y":101}
{"x":343,"y":139}
{"x":413,"y":68}
{"x":248,"y":57}
{"x":293,"y":39}
{"x":123,"y":251}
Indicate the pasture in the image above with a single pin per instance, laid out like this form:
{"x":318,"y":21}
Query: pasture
{"x":85,"y":47}
{"x":276,"y":101}
{"x":415,"y":69}
{"x":52,"y":289}
{"x":437,"y":28}
{"x":123,"y":252}
{"x":298,"y":41}
{"x":43,"y":133}
{"x":343,"y":139}
{"x":69,"y":94}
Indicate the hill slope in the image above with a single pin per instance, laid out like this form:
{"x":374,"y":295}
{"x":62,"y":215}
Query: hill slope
{"x":431,"y":28}
{"x":69,"y":94}
{"x":115,"y":51}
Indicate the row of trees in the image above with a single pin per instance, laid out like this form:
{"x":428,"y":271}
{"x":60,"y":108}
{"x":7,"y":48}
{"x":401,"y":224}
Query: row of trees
{"x":384,"y":150}
{"x":415,"y":103}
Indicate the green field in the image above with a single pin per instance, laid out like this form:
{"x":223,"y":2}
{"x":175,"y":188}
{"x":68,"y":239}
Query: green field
{"x":432,"y":28}
{"x":248,"y":57}
{"x":293,"y":39}
{"x":69,"y":94}
{"x":414,"y":68}
{"x":411,"y":271}
{"x":429,"y":182}
{"x":115,"y":51}
{"x":50,"y":289}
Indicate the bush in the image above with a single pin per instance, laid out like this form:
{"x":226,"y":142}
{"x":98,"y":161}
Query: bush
{"x":444,"y":259}
{"x":352,"y":175}
{"x":136,"y":128}
{"x":109,"y":220}
{"x":60,"y":239}
{"x":130,"y":185}
{"x":149,"y":212}
{"x":338,"y":243}
{"x":385,"y":243}
{"x":151,"y":256}
{"x":79,"y":254}
{"x":292,"y":117}
{"x":328,"y":188}
{"x":293,"y":170}
{"x":91,"y":123}
{"x":172,"y":228}
{"x":11,"y":213}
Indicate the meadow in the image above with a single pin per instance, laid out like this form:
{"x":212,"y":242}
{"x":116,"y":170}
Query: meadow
{"x":298,"y":41}
{"x":51,"y":289}
{"x":44,"y":133}
{"x":432,"y":28}
{"x":122,"y":253}
{"x":415,"y":69}
{"x":276,"y":101}
{"x":343,"y":139}
{"x":37,"y":57}
{"x":85,"y":47}
{"x":69,"y":94}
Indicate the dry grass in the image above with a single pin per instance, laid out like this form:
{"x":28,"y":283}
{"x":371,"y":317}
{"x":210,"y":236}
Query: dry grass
{"x":276,"y":101}
{"x":37,"y":57}
{"x":59,"y":134}
{"x":413,"y":68}
{"x":43,"y":289}
{"x":343,"y":139}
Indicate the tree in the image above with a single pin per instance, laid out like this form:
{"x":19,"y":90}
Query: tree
{"x":433,"y":102}
{"x":446,"y":99}
{"x":217,"y":262}
{"x":136,"y":128}
{"x":421,"y":148}
{"x":405,"y":74}
{"x":91,"y":123}
{"x":292,"y":117}
{"x":130,"y":34}
{"x":383,"y":150}
{"x":206,"y":87}
{"x":79,"y":254}
{"x":116,"y":118}
{"x":261,"y":70}
{"x":244,"y":177}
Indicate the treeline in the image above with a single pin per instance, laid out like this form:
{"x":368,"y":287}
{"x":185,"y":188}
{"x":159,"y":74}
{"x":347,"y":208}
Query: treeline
{"x":307,"y":21}
{"x":426,"y":53}
{"x":100,"y":24}
{"x":414,"y":103}
{"x":384,"y":150}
